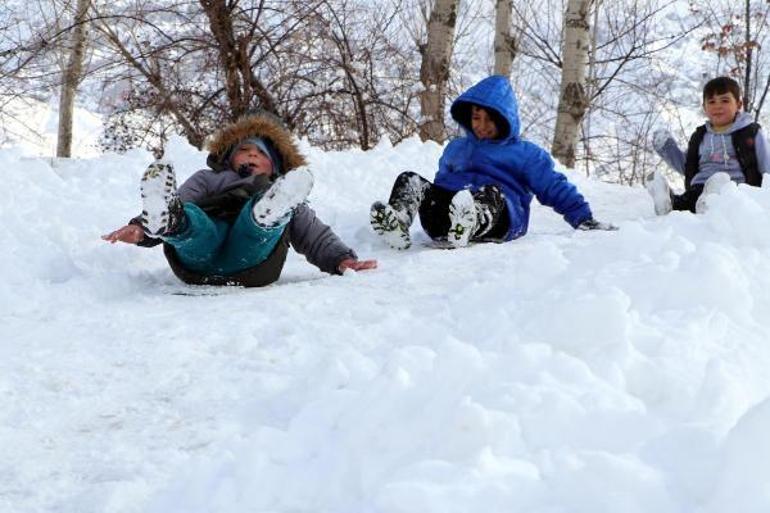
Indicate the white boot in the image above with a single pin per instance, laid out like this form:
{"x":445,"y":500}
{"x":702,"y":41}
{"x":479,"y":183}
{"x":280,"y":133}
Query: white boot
{"x":286,"y":194}
{"x":660,"y":191}
{"x":462,"y":219}
{"x":712,"y":187}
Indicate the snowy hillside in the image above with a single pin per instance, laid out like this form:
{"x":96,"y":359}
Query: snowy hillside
{"x":568,"y":371}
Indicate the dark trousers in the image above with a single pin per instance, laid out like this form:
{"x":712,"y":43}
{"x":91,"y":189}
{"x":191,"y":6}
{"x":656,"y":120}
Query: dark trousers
{"x":432,"y":202}
{"x":688,"y":199}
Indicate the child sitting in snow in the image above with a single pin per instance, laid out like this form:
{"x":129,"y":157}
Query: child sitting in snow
{"x":730,"y":146}
{"x":485,"y":181}
{"x":232,"y":224}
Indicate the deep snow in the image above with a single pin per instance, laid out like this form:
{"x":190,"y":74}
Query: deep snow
{"x":563,"y":372}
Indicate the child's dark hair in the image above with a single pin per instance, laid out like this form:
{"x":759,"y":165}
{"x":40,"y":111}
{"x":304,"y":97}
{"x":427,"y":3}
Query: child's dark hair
{"x":721,"y":85}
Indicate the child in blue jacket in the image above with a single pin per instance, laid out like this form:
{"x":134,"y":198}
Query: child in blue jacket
{"x":485,"y":181}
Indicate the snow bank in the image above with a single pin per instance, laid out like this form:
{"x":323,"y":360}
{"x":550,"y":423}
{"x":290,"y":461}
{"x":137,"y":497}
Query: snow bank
{"x":567,"y":371}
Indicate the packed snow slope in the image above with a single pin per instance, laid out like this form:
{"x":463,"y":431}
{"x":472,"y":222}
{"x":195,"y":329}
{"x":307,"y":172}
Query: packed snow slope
{"x":566,"y":372}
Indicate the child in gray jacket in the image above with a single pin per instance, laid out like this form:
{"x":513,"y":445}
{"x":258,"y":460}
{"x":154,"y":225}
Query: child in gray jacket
{"x":232,"y":224}
{"x":730,"y":146}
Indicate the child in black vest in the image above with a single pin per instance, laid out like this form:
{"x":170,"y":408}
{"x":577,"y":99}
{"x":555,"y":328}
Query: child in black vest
{"x":730,"y":146}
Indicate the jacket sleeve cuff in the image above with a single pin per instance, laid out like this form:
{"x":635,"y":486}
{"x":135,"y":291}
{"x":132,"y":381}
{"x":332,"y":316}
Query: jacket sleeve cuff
{"x":147,"y":242}
{"x":339,"y":259}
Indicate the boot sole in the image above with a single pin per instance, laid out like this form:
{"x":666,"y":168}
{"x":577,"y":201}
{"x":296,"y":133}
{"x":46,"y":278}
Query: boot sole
{"x":385,"y":223}
{"x":158,"y":189}
{"x":462,"y":219}
{"x":283,"y":197}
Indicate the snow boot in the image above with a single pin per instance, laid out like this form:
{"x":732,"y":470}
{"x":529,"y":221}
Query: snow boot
{"x":407,"y":195}
{"x":392,"y":220}
{"x":490,"y":205}
{"x":712,"y":187}
{"x":658,"y":188}
{"x":282,"y":198}
{"x":463,"y":219}
{"x":388,"y":223}
{"x":162,"y":211}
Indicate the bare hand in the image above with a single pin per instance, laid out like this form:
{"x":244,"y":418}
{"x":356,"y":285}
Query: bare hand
{"x":130,"y":234}
{"x":356,"y":265}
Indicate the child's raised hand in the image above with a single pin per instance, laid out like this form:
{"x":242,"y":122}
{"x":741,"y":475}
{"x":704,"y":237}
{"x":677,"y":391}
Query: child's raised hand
{"x":130,"y":234}
{"x":659,"y":139}
{"x":356,"y":265}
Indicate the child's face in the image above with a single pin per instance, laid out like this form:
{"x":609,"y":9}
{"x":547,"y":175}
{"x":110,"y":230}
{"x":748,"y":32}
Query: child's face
{"x":250,"y":155}
{"x":721,"y":109}
{"x":482,"y":125}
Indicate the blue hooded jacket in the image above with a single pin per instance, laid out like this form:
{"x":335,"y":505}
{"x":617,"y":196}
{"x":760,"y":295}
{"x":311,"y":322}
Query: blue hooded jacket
{"x":520,"y":168}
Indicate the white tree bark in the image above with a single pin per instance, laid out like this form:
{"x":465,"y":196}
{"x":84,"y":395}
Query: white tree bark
{"x":505,"y":44}
{"x":434,"y":70}
{"x":573,"y":101}
{"x":72,"y":75}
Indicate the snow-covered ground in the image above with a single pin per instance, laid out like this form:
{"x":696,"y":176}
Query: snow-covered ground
{"x":580,"y":372}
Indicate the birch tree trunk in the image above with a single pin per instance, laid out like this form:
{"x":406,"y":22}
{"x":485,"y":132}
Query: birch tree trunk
{"x":434,"y":70}
{"x":747,"y":96}
{"x":73,"y":73}
{"x":505,"y":44}
{"x":573,"y":101}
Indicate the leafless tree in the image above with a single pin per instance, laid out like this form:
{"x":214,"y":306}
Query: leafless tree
{"x":434,"y":71}
{"x":73,"y":74}
{"x":505,"y":42}
{"x":573,"y":101}
{"x":738,"y":34}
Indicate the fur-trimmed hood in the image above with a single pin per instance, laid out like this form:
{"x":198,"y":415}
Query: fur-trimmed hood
{"x":263,"y":125}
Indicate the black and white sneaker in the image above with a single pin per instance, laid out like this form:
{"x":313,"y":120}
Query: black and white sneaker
{"x":462,"y":219}
{"x":658,"y":188}
{"x":162,"y":211}
{"x":287,"y":193}
{"x":388,"y":224}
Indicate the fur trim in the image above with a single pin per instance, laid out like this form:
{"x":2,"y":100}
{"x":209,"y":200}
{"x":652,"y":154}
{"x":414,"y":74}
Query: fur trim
{"x":256,"y":125}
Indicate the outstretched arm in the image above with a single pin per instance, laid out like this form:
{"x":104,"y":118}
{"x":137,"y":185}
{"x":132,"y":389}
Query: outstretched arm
{"x":665,"y":146}
{"x":312,"y":238}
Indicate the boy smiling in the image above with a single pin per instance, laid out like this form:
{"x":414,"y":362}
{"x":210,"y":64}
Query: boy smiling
{"x":485,"y":181}
{"x":730,"y":146}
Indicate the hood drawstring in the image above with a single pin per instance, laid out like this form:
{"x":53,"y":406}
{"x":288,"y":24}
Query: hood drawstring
{"x":725,"y":155}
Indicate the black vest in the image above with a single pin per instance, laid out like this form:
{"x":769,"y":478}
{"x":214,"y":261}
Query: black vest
{"x":745,"y":150}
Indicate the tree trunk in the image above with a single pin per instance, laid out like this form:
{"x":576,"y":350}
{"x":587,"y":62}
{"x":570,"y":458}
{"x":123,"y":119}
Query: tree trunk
{"x":591,"y":88}
{"x":747,"y":96}
{"x":434,"y":70}
{"x":71,"y":78}
{"x":573,"y":101}
{"x":505,"y":44}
